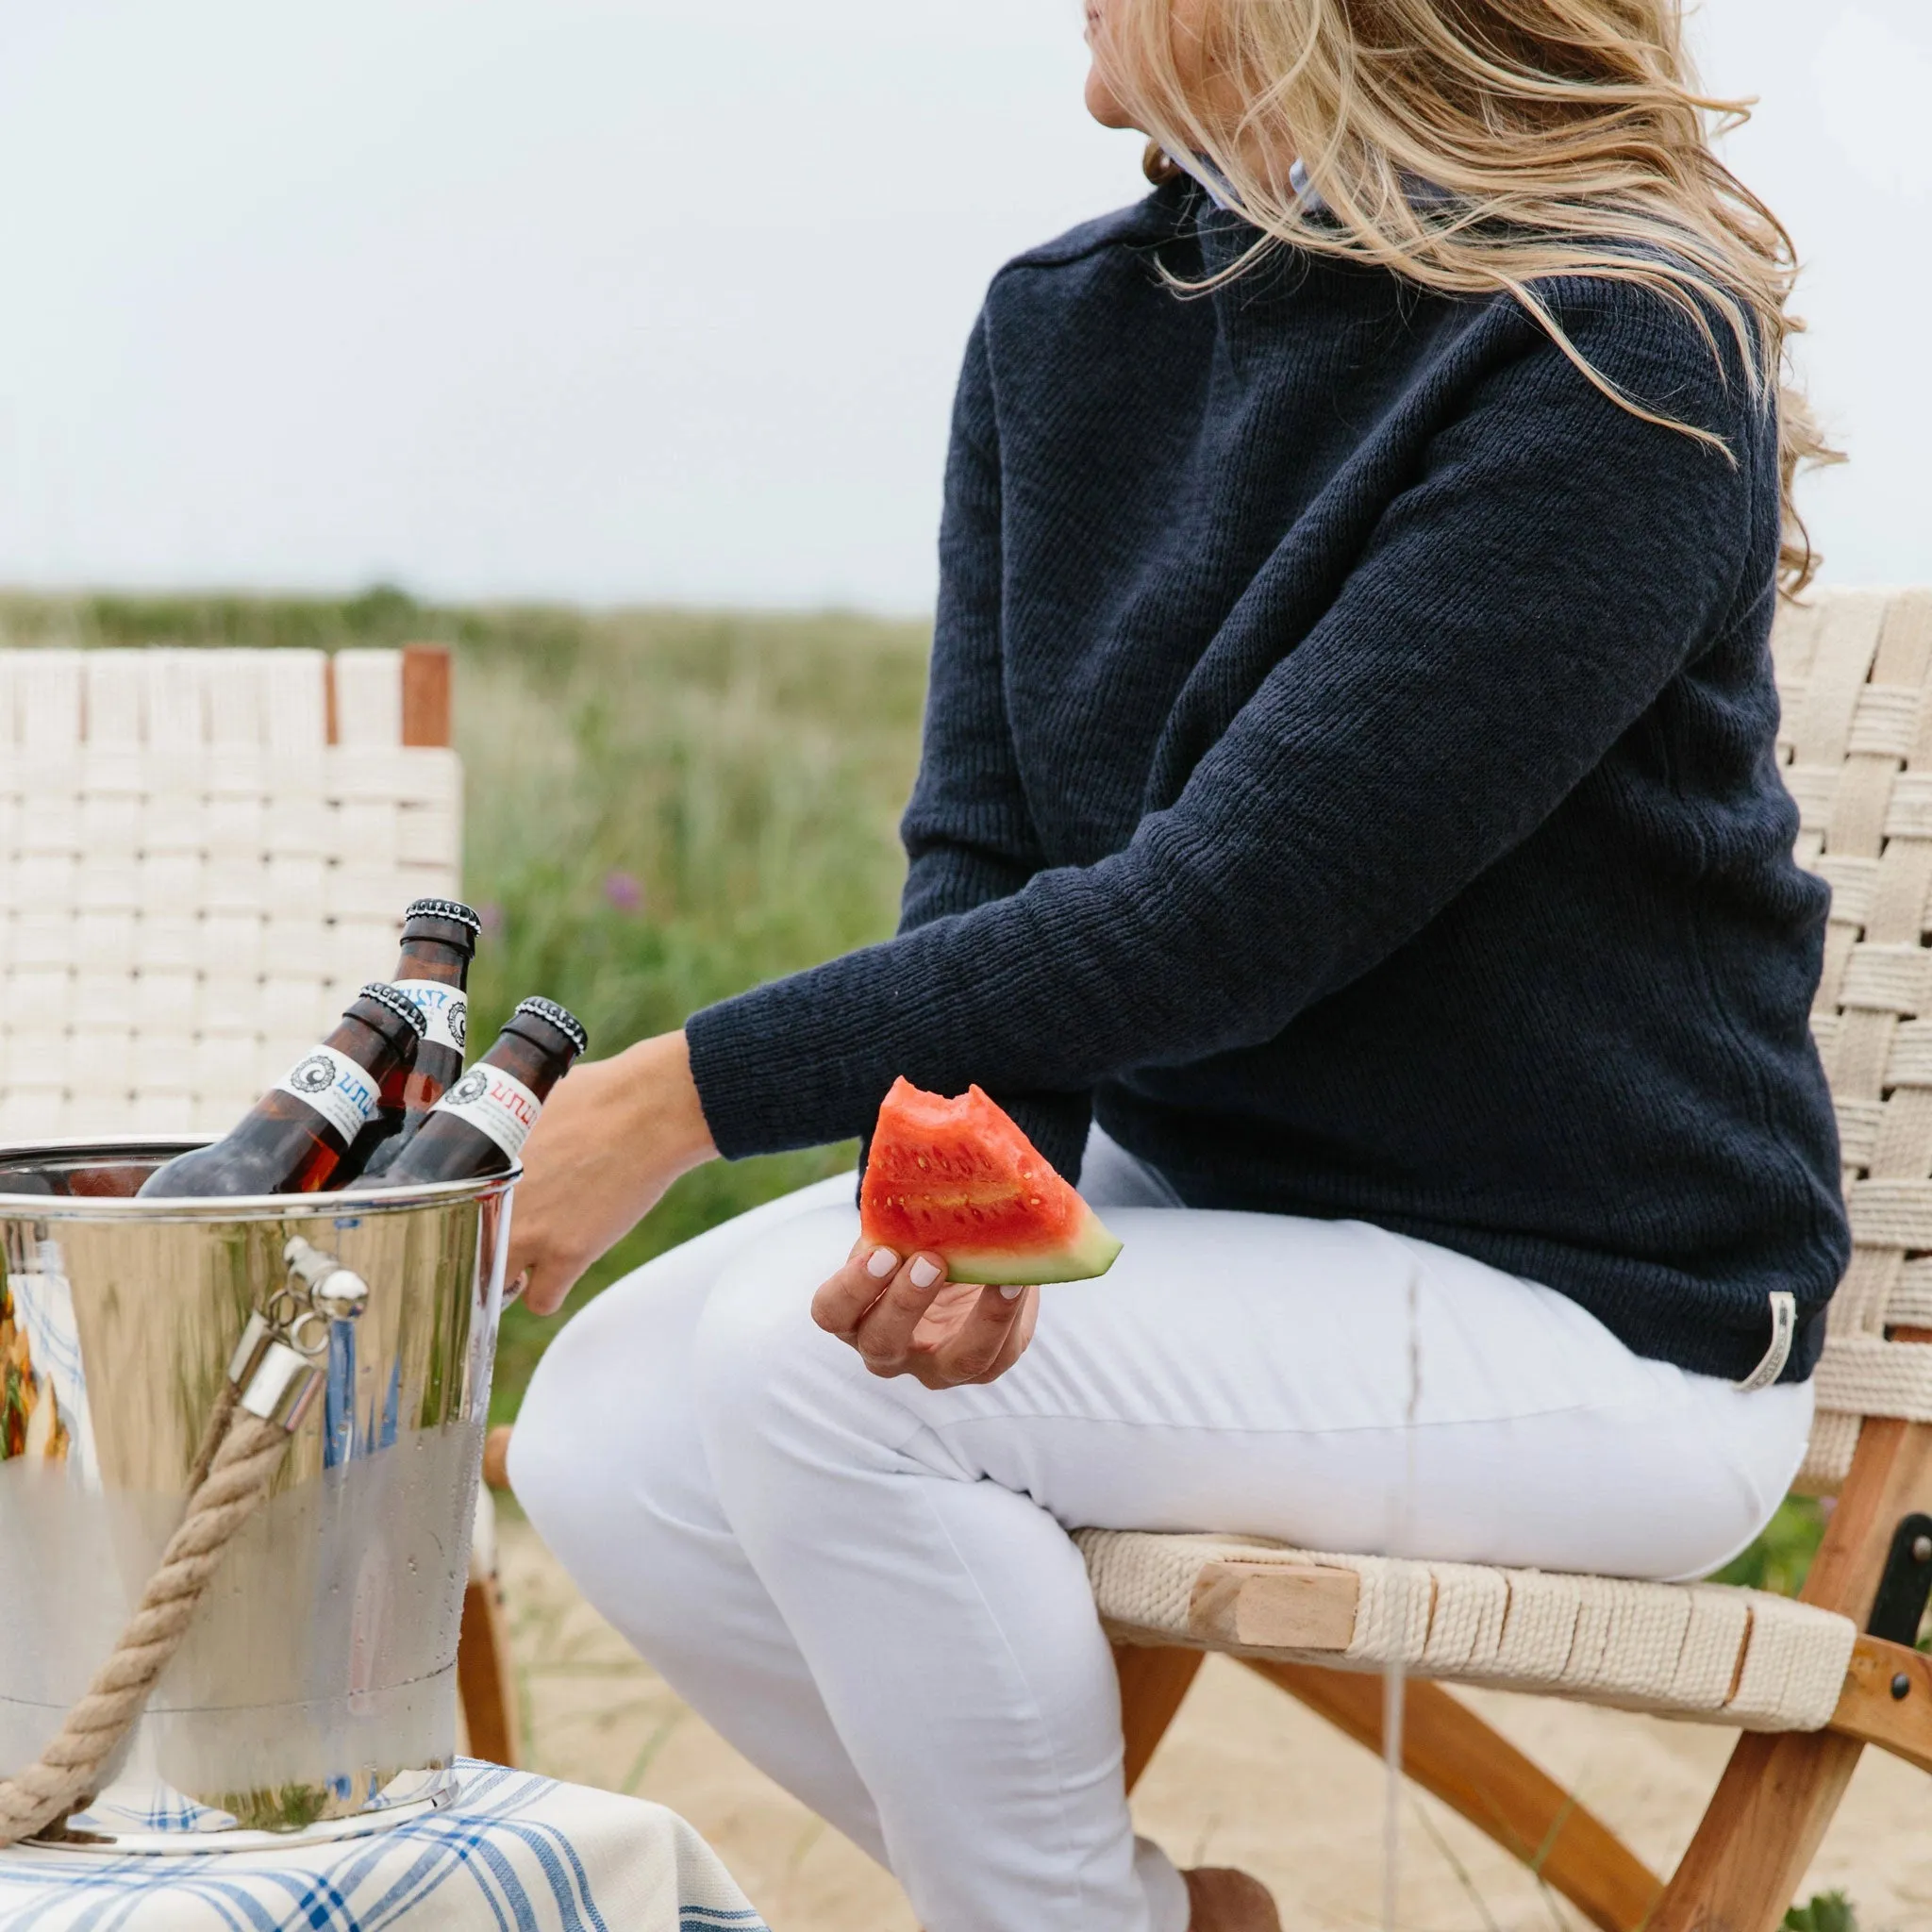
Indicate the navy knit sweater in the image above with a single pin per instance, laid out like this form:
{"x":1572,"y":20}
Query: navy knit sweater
{"x":1348,"y":775}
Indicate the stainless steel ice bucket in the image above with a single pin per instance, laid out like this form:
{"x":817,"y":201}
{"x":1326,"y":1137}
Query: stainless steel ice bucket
{"x":315,"y":1693}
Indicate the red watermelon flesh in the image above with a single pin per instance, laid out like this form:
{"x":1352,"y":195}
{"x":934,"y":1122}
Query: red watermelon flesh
{"x":959,"y":1179}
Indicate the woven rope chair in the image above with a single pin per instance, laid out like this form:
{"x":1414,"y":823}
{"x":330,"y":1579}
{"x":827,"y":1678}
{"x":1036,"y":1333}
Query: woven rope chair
{"x":203,"y":853}
{"x":1808,"y":1684}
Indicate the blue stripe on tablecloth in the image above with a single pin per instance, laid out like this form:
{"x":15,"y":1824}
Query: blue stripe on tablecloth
{"x":411,"y":1862}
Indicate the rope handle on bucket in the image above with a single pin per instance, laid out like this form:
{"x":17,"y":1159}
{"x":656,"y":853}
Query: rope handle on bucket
{"x":272,"y":1375}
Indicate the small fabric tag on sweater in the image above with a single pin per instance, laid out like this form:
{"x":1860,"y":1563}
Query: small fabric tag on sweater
{"x":1784,"y":1330}
{"x":494,"y":1103}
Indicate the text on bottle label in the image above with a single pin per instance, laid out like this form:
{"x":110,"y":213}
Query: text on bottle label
{"x":495,"y":1103}
{"x":341,"y":1091}
{"x":445,"y":1008}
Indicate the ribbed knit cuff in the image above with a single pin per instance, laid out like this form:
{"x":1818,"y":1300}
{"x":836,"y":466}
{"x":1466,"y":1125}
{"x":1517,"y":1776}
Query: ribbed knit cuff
{"x":767,"y":1085}
{"x":753,"y":1100}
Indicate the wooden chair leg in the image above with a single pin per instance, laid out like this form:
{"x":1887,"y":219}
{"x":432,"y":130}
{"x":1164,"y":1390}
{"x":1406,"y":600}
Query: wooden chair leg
{"x":1759,"y":1833}
{"x":486,"y":1676}
{"x":425,"y":694}
{"x":1778,"y":1794}
{"x":1154,"y":1679}
{"x":486,"y":1671}
{"x":1447,"y":1750}
{"x":496,"y":1456}
{"x":1451,"y":1752}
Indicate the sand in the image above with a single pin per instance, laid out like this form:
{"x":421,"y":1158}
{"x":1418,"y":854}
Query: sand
{"x":1246,"y":1777}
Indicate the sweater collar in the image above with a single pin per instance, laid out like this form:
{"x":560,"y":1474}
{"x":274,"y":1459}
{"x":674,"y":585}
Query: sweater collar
{"x":1219,"y":191}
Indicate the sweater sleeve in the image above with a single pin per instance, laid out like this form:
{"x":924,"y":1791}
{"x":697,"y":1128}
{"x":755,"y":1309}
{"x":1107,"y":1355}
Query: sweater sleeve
{"x":968,"y":831}
{"x":1551,"y":567}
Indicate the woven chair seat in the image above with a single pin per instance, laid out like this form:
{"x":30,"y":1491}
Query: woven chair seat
{"x":1704,"y":1651}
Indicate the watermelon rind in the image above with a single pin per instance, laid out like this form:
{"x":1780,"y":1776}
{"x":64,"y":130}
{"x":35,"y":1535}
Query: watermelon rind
{"x":1090,"y":1253}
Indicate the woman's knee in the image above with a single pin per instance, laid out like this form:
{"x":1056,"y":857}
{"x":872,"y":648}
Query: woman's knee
{"x":605,"y":1410}
{"x":758,"y":1353}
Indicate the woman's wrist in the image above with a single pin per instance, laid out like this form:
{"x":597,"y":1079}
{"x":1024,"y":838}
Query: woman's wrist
{"x":669,"y":1128}
{"x":614,"y":1136}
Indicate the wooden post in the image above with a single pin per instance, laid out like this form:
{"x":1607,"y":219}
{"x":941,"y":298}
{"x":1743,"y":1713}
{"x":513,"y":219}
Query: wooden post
{"x":486,"y":1679}
{"x":425,"y":694}
{"x":496,"y":1456}
{"x":1871,"y":1709}
{"x":1154,"y":1679}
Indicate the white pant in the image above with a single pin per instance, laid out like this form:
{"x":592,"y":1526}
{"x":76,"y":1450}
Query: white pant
{"x":866,"y":1585}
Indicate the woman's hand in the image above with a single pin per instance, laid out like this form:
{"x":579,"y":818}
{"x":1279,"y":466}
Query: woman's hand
{"x":613,"y":1134}
{"x":906,"y":1319}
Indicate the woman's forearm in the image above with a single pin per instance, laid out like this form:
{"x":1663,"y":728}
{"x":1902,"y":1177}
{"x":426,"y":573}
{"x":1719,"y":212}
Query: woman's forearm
{"x":614,"y":1136}
{"x":670,"y":1116}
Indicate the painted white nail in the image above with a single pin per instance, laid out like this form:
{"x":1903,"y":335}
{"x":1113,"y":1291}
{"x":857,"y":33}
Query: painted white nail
{"x":1012,"y":1294}
{"x":881,"y":1264}
{"x":924,"y":1272}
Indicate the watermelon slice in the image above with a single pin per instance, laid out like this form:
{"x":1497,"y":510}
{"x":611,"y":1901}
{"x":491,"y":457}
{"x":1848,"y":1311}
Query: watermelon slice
{"x":959,"y":1179}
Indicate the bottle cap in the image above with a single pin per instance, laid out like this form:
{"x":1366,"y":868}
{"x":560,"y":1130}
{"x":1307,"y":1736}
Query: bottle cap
{"x":452,"y":910}
{"x":561,"y":1018}
{"x":400,"y":1004}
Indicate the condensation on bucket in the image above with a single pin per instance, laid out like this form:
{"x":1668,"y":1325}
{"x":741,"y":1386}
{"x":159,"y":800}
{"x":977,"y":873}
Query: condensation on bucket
{"x":319,"y":1678}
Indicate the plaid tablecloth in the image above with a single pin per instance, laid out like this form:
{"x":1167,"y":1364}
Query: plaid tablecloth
{"x":514,"y":1853}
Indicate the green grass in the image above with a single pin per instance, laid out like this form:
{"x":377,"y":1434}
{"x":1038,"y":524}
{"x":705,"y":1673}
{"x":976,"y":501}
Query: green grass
{"x":1829,"y":1911}
{"x":1781,"y":1557}
{"x":663,"y":808}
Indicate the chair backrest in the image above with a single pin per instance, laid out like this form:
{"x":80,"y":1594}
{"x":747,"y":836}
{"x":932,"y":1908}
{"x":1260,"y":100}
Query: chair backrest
{"x":1855,"y":674}
{"x":203,"y":853}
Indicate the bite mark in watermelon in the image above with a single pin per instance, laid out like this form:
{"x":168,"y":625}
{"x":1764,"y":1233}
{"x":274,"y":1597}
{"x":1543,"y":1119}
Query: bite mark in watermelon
{"x":959,"y":1179}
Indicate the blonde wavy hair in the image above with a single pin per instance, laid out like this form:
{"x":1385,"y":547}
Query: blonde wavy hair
{"x":1554,"y":136}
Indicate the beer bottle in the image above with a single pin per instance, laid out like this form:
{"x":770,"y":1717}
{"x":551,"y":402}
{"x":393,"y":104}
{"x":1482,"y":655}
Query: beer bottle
{"x":294,"y":1138}
{"x":480,"y":1124}
{"x":439,"y":942}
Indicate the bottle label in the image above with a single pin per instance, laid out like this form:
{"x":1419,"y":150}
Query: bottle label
{"x":446,"y":1009}
{"x":496,"y":1103}
{"x":341,"y":1091}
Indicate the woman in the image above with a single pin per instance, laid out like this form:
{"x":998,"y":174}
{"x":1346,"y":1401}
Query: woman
{"x":1349,"y":815}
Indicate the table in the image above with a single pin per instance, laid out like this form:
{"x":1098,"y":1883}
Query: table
{"x":512,"y":1851}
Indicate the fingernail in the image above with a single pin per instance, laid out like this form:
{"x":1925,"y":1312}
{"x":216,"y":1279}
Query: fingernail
{"x":882,"y":1263}
{"x":924,"y":1272}
{"x":1012,"y":1294}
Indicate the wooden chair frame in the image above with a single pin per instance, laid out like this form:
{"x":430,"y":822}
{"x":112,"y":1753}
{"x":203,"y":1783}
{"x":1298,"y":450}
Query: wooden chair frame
{"x":1772,"y":1807}
{"x":486,"y":1666}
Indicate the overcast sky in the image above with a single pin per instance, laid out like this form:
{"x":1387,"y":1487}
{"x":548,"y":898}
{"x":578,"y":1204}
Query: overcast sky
{"x":652,"y":301}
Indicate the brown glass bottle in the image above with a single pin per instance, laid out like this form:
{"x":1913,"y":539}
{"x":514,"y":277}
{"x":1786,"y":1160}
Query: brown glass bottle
{"x":294,"y":1140}
{"x":480,"y":1124}
{"x":439,"y":942}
